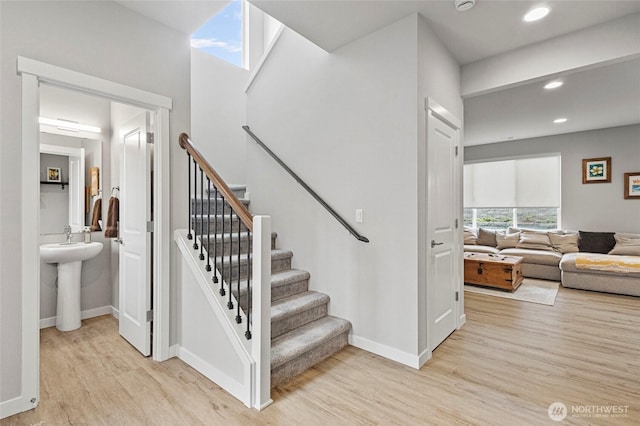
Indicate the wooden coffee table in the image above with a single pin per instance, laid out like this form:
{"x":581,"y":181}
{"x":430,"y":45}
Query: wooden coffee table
{"x":493,"y":270}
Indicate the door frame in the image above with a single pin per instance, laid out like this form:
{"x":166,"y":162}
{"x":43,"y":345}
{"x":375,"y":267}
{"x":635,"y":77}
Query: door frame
{"x":32,"y":73}
{"x":432,"y":107}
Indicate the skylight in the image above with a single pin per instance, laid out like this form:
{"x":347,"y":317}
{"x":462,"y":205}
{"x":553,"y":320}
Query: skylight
{"x":221,"y":36}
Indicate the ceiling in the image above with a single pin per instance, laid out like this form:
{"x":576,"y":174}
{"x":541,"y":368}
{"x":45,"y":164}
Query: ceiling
{"x":185,"y":16}
{"x":594,"y":98}
{"x":489,"y":28}
{"x":607,"y":96}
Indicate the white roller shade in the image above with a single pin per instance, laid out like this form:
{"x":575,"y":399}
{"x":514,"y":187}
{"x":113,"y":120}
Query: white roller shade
{"x":527,"y":182}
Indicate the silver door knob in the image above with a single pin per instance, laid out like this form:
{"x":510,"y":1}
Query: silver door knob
{"x":433,"y":243}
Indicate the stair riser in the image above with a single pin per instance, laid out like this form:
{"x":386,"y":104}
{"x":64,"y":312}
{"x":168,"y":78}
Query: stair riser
{"x":239,"y":193}
{"x":230,"y":225}
{"x":231,"y":246}
{"x":277,"y":265}
{"x":278,"y":328}
{"x":277,"y":293}
{"x":296,"y":366}
{"x":197,"y":205}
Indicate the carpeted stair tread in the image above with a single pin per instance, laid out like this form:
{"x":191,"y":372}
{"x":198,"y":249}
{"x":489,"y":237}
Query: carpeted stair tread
{"x":304,"y":339}
{"x":238,"y":190}
{"x":276,"y":254}
{"x":228,"y":236}
{"x":283,"y":284}
{"x":296,"y":304}
{"x":283,"y":279}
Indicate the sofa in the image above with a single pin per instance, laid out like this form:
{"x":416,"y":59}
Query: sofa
{"x":600,"y":261}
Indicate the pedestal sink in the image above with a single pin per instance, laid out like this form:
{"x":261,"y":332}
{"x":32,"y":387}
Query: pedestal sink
{"x":69,"y":257}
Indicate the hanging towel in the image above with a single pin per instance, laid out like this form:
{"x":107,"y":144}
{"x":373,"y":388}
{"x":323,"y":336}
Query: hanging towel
{"x":97,"y":215}
{"x":111,"y":231}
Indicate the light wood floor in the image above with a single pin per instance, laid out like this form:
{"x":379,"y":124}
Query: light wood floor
{"x":508,"y":363}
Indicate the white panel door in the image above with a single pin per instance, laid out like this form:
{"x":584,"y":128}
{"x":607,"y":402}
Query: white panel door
{"x":441,"y":233}
{"x":135,"y":249}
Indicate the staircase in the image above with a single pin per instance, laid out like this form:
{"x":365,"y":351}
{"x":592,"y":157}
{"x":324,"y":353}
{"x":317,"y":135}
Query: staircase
{"x":302,"y":334}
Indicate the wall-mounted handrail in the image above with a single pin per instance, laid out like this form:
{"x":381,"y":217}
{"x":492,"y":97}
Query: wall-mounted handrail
{"x":305,"y":186}
{"x":239,"y":208}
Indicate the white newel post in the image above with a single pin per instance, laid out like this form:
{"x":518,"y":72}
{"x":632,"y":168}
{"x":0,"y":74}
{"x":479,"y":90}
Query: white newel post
{"x":261,"y":317}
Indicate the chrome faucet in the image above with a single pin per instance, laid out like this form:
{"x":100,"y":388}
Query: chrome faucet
{"x":67,"y":233}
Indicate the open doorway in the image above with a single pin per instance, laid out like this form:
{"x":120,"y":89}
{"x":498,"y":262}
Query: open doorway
{"x":33,"y":74}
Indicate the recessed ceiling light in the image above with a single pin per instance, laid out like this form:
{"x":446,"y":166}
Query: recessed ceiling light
{"x":560,"y":120}
{"x":553,"y":84}
{"x":463,"y":5}
{"x":535,"y":14}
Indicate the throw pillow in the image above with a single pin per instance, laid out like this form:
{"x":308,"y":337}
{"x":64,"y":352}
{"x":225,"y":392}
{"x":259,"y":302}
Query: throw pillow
{"x":626,"y":246}
{"x":506,"y":240}
{"x":596,"y":242}
{"x":486,"y":238}
{"x":511,"y":230}
{"x":534,"y":241}
{"x":469,"y":236}
{"x":567,"y":243}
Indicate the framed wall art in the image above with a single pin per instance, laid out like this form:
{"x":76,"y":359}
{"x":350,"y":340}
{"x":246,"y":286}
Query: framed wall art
{"x":596,"y":170}
{"x":53,"y":174}
{"x":632,"y":186}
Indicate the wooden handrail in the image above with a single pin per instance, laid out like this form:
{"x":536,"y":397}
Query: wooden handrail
{"x":239,"y":208}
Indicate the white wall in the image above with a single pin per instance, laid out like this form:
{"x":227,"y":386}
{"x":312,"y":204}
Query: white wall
{"x":587,"y":207}
{"x":102,"y":39}
{"x":218,"y":112}
{"x":346,"y":122}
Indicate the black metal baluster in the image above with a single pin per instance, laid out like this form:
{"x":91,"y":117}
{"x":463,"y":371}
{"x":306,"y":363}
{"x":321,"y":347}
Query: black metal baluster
{"x":215,"y":237}
{"x":222,"y":271}
{"x":238,"y":317}
{"x":195,"y":218}
{"x":202,"y":215}
{"x":189,"y":236}
{"x":247,"y":334}
{"x":208,"y":267}
{"x":230,"y":302}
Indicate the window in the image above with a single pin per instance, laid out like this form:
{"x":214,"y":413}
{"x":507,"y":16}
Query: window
{"x":522,"y":192}
{"x":221,"y":36}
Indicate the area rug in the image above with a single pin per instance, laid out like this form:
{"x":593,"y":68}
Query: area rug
{"x":531,"y":290}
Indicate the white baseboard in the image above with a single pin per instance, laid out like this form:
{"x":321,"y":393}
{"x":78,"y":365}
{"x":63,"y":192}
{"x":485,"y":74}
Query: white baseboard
{"x":115,"y":312}
{"x":424,"y":357}
{"x":385,"y":351}
{"x":461,"y":321}
{"x":89,"y":313}
{"x":173,"y":351}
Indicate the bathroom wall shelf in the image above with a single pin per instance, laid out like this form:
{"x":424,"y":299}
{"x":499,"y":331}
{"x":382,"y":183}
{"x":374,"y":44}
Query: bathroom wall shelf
{"x":44,"y":182}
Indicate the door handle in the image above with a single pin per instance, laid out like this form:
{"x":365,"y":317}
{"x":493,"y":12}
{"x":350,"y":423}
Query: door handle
{"x":119,"y":240}
{"x":433,"y":243}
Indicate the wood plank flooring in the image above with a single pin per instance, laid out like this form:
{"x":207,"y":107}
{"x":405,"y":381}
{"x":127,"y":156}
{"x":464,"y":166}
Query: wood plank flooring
{"x":505,"y":367}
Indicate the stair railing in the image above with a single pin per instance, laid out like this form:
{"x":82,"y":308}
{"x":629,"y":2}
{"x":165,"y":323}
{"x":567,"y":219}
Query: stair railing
{"x":315,"y":195}
{"x":219,"y":237}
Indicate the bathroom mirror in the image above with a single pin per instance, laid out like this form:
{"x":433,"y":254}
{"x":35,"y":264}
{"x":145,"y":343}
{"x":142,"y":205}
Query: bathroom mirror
{"x":63,"y":197}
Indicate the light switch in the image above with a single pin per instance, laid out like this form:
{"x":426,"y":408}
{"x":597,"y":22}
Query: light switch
{"x":359,"y":216}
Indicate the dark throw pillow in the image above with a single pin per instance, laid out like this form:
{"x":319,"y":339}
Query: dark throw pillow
{"x":596,"y":242}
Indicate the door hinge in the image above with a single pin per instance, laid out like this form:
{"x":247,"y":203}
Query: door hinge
{"x":150,"y":226}
{"x":457,"y":296}
{"x":150,"y":137}
{"x":456,"y":151}
{"x":150,"y":315}
{"x":456,"y":223}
